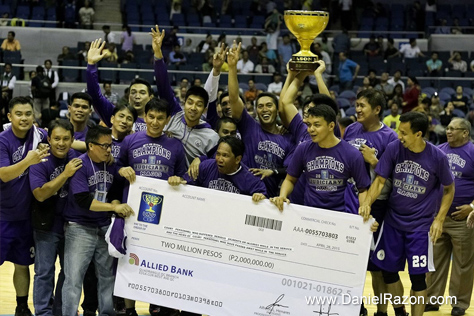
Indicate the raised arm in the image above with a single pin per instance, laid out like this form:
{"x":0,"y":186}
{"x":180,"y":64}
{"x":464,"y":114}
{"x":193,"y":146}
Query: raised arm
{"x":212,"y":85}
{"x":236,"y":103}
{"x":102,"y":106}
{"x":161,"y":73}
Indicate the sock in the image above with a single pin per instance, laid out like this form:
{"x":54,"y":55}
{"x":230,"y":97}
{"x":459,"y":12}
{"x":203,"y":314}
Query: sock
{"x":22,"y":300}
{"x":399,"y":310}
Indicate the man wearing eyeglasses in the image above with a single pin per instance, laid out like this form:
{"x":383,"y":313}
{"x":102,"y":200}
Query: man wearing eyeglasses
{"x":456,"y":240}
{"x":94,"y":192}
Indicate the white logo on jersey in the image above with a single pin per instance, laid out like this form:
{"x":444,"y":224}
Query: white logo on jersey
{"x":198,"y":143}
{"x":381,"y":255}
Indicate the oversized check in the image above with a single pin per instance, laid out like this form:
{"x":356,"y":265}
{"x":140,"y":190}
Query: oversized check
{"x":220,"y":254}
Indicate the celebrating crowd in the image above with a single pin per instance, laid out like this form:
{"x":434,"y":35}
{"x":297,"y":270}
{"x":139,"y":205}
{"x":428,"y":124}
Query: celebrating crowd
{"x":72,"y":180}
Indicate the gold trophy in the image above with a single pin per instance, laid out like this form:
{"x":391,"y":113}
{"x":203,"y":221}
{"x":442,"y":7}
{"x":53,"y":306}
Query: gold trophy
{"x":305,"y":26}
{"x":151,"y":200}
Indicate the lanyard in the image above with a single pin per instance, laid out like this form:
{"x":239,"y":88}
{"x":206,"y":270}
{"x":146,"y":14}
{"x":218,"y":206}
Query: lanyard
{"x":95,"y":175}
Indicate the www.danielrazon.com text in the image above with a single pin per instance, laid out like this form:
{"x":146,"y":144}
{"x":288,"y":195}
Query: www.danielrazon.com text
{"x":387,"y":298}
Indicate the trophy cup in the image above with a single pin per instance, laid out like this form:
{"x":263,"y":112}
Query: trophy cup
{"x":305,"y":26}
{"x":151,"y":200}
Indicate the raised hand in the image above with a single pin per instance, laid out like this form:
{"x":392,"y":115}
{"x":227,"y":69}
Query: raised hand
{"x":322,"y":67}
{"x":157,"y":41}
{"x":233,"y":55}
{"x":219,"y":59}
{"x":96,"y":52}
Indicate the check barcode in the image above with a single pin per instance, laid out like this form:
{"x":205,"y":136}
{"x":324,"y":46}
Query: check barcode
{"x":263,"y":222}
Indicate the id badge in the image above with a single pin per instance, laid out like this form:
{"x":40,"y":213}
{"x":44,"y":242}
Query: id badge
{"x":101,"y":193}
{"x":100,"y":196}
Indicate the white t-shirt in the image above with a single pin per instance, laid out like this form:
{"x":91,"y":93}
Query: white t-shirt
{"x":275,"y":87}
{"x":410,"y":52}
{"x":245,"y":67}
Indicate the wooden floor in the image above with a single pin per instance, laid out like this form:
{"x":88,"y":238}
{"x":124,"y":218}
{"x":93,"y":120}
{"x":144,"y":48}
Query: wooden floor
{"x":8,"y":303}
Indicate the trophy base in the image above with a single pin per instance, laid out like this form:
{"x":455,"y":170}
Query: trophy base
{"x":303,"y":66}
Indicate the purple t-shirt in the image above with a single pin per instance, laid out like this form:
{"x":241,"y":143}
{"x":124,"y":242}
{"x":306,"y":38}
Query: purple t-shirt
{"x":264,"y":150}
{"x":82,"y":137}
{"x":158,"y":158}
{"x":461,"y":160}
{"x":356,"y":136}
{"x":417,"y":178}
{"x":326,"y":171}
{"x":12,"y":151}
{"x":89,"y":178}
{"x":299,"y":130}
{"x":103,"y":107}
{"x":47,"y":171}
{"x":241,"y":182}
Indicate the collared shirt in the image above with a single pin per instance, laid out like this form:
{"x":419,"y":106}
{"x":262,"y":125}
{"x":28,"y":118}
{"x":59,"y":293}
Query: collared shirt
{"x":11,"y":46}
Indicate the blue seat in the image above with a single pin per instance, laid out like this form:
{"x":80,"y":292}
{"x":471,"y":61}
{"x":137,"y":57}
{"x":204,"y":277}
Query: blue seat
{"x":107,"y":75}
{"x":261,"y":86}
{"x":458,"y":113}
{"x":429,"y":91}
{"x":445,"y":96}
{"x":125,"y":77}
{"x":343,"y":103}
{"x":70,"y":75}
{"x":23,"y":12}
{"x":244,"y":86}
{"x":447,"y":90}
{"x":349,"y":95}
{"x":350,"y":111}
{"x":147,"y":75}
{"x":11,"y":57}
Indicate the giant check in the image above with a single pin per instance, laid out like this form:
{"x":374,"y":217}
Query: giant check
{"x":219,"y":253}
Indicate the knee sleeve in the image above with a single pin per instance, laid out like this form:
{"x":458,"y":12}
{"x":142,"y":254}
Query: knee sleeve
{"x":390,"y":277}
{"x":418,"y":282}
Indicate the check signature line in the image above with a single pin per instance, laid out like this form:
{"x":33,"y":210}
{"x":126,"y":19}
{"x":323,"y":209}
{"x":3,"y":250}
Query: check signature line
{"x":328,"y":313}
{"x":270,"y":307}
{"x":235,"y":250}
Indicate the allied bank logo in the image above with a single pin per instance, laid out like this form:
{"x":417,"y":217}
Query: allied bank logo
{"x":133,"y":259}
{"x":150,"y":208}
{"x":410,"y":179}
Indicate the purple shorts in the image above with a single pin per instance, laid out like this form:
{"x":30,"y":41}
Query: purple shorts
{"x":16,"y":242}
{"x":394,"y":247}
{"x":378,"y":211}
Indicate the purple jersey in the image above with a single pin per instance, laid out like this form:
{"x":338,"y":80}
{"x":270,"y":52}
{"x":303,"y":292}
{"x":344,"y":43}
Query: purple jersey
{"x":82,"y":137}
{"x":47,"y":171}
{"x":326,"y":172}
{"x":264,"y":150}
{"x":240,"y":182}
{"x":158,"y":158}
{"x":357,"y":136}
{"x":461,"y":160}
{"x":116,"y":148}
{"x":93,"y":178}
{"x":13,"y":150}
{"x":417,"y":177}
{"x":103,"y":107}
